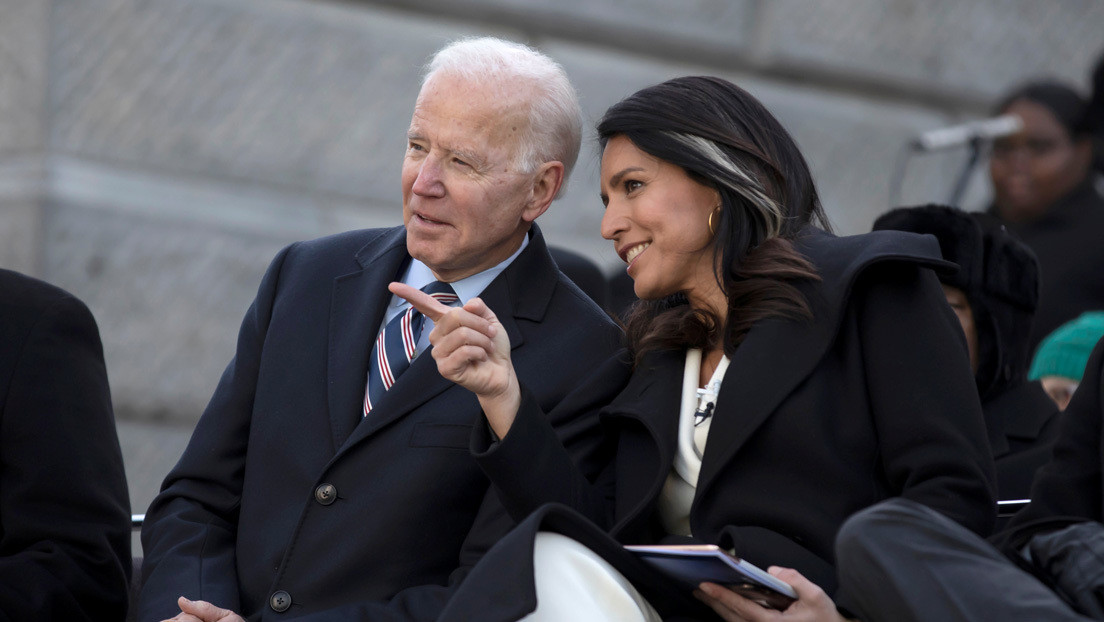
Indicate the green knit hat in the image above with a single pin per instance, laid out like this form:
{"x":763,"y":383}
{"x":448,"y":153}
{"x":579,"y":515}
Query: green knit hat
{"x":1066,"y":351}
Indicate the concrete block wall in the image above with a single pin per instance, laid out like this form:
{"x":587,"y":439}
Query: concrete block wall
{"x":155,"y":154}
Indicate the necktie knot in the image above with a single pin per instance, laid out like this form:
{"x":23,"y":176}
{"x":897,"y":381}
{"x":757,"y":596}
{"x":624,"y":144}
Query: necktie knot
{"x":443,"y":292}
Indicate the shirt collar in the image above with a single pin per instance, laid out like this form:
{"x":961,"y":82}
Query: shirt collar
{"x":419,"y":275}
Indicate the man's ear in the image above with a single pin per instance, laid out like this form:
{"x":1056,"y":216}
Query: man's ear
{"x":546,"y":185}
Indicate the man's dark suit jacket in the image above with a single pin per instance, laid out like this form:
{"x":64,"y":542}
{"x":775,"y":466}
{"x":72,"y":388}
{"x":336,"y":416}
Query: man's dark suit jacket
{"x":64,"y":509}
{"x":285,"y":499}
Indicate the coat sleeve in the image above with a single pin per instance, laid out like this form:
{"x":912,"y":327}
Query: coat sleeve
{"x":190,"y":529}
{"x":926,"y":410}
{"x":563,"y":457}
{"x":1069,"y":488}
{"x":64,"y":508}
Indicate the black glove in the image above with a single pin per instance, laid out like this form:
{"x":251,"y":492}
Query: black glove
{"x":1073,"y":559}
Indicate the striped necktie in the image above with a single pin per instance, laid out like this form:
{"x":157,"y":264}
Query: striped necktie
{"x":397,"y":343}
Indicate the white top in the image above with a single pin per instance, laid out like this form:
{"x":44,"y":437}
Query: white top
{"x":418,"y":275}
{"x":678,"y":490}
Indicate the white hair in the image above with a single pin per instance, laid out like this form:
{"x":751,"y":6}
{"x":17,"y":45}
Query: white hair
{"x":555,"y":119}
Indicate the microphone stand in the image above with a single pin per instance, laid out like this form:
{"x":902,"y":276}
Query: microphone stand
{"x":967,"y":170}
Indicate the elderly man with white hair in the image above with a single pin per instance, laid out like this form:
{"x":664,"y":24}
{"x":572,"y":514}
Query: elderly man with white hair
{"x":330,"y":477}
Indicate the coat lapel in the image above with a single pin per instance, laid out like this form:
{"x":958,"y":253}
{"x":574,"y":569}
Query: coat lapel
{"x":773,"y":359}
{"x":416,"y":386}
{"x":651,"y":398}
{"x":358,"y":303}
{"x":778,"y":354}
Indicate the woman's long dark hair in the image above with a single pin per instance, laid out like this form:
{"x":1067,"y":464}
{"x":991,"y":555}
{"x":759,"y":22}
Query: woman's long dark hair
{"x":726,"y":140}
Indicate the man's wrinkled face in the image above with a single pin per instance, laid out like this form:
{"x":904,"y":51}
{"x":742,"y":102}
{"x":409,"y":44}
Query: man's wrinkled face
{"x":464,"y":200}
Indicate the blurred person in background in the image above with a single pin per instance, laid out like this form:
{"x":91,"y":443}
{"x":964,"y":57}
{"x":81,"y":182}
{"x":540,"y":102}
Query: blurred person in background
{"x":621,"y":294}
{"x":1044,"y":190}
{"x":582,"y":272}
{"x":994,"y":294}
{"x":1059,"y":362}
{"x":1094,"y":117}
{"x":64,"y":507}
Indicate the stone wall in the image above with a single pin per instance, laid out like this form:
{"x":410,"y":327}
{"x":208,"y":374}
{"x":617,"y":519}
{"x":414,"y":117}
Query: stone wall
{"x":155,"y":154}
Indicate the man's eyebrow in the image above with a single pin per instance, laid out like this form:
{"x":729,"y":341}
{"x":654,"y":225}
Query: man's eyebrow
{"x":468,"y":156}
{"x":471,"y":157}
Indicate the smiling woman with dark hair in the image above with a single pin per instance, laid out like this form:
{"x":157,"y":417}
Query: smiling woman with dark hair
{"x":778,"y":379}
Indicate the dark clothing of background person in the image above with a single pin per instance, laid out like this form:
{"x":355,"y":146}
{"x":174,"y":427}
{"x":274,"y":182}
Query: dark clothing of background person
{"x":287,"y":497}
{"x":815,"y":420}
{"x":1068,"y":241}
{"x":1000,"y":279}
{"x":1094,"y":114}
{"x":1069,"y":488}
{"x":1023,"y":424}
{"x":621,"y":293}
{"x":582,"y":272}
{"x":64,"y":508}
{"x":1046,"y":191}
{"x":907,"y":565}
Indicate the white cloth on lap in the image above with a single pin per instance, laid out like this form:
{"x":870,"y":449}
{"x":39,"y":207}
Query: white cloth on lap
{"x":574,"y":583}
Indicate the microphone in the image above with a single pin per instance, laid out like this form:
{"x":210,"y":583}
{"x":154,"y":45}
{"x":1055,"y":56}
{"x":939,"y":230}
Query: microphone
{"x":955,"y":135}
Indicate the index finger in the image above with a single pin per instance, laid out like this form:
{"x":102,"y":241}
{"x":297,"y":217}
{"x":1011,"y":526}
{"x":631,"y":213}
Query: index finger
{"x":428,"y":305}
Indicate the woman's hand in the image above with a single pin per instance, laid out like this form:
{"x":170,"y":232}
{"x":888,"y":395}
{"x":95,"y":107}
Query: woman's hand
{"x":812,"y":604}
{"x":472,"y":350}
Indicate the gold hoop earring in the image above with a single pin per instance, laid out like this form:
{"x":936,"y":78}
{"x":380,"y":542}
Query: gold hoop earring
{"x":713,"y":231}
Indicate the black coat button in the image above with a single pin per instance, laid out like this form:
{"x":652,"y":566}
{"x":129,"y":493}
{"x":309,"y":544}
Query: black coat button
{"x":280,"y":601}
{"x":325,"y":494}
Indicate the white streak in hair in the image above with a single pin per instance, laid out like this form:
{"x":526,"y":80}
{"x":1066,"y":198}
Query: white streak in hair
{"x":739,"y":181}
